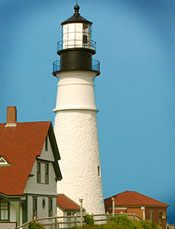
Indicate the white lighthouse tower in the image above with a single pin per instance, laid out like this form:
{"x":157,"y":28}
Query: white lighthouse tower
{"x":75,"y":120}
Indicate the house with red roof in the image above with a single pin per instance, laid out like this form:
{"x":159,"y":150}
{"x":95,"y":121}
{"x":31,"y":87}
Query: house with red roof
{"x":29,"y":170}
{"x":67,"y":207}
{"x":136,"y":203}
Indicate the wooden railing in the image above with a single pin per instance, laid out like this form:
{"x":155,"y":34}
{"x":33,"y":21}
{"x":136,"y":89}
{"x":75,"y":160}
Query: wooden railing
{"x":68,"y":222}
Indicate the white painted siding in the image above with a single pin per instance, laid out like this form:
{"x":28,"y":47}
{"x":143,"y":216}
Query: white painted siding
{"x":41,"y":212}
{"x":32,"y":186}
{"x":7,"y":225}
{"x":20,"y":212}
{"x":12,"y":213}
{"x":30,"y":208}
{"x":41,"y":190}
{"x":47,"y":155}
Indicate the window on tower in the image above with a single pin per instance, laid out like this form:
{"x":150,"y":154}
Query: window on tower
{"x":98,"y":168}
{"x":76,"y":35}
{"x":85,"y":39}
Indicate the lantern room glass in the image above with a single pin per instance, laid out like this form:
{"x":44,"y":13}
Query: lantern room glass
{"x":76,"y":35}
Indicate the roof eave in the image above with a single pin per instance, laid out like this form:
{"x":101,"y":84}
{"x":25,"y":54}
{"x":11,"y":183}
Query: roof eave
{"x":55,"y":151}
{"x":143,"y":205}
{"x":15,"y":196}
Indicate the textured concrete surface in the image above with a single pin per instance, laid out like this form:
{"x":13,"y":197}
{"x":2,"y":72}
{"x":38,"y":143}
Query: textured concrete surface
{"x":76,"y":133}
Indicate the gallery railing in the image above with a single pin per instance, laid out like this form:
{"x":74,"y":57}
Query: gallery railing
{"x":95,"y":66}
{"x":75,"y":43}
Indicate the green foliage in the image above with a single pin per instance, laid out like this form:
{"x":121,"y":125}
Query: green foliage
{"x":33,"y":225}
{"x":148,"y":225}
{"x":121,"y":222}
{"x":89,"y":220}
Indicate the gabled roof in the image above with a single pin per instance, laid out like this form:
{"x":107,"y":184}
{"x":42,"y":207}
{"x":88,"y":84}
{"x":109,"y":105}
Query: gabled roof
{"x":66,"y":203}
{"x":132,"y":198}
{"x":20,"y":145}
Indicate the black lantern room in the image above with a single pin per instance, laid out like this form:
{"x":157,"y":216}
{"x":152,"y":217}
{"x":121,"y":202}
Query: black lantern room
{"x":76,"y":47}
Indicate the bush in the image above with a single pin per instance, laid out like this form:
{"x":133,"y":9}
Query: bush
{"x":33,"y":225}
{"x":119,"y":222}
{"x":148,"y":225}
{"x":123,"y":221}
{"x":89,"y":220}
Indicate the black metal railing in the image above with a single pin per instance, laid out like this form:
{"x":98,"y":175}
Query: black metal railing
{"x":95,"y":66}
{"x":75,"y":44}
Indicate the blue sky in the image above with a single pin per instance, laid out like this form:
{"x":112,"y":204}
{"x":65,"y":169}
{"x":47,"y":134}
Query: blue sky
{"x":135,"y":92}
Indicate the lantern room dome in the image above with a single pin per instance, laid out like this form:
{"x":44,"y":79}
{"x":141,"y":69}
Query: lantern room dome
{"x":76,"y":17}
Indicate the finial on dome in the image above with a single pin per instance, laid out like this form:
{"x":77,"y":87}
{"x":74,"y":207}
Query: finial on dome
{"x":76,"y":8}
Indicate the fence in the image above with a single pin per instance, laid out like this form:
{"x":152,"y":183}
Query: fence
{"x":67,"y":222}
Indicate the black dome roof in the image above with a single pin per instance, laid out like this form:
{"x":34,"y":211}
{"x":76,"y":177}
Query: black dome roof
{"x":76,"y":17}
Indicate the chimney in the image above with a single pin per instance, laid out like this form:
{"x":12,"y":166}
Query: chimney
{"x":11,"y":116}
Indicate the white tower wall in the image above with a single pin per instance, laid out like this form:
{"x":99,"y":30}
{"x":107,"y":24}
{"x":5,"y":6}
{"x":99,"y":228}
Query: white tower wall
{"x":76,"y":134}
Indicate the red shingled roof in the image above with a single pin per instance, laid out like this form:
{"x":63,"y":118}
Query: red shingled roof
{"x":131,"y":198}
{"x":66,"y":203}
{"x":20,"y":146}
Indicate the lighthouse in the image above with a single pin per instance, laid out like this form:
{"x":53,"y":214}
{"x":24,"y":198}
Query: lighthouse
{"x":75,"y":120}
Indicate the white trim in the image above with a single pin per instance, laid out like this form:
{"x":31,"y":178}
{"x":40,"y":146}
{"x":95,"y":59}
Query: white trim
{"x":4,"y":162}
{"x":143,"y":209}
{"x":74,"y":108}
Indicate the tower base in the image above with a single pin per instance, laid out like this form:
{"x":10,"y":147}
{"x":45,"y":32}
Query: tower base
{"x":76,"y":134}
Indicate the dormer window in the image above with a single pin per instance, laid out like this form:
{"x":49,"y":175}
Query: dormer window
{"x":3,"y":162}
